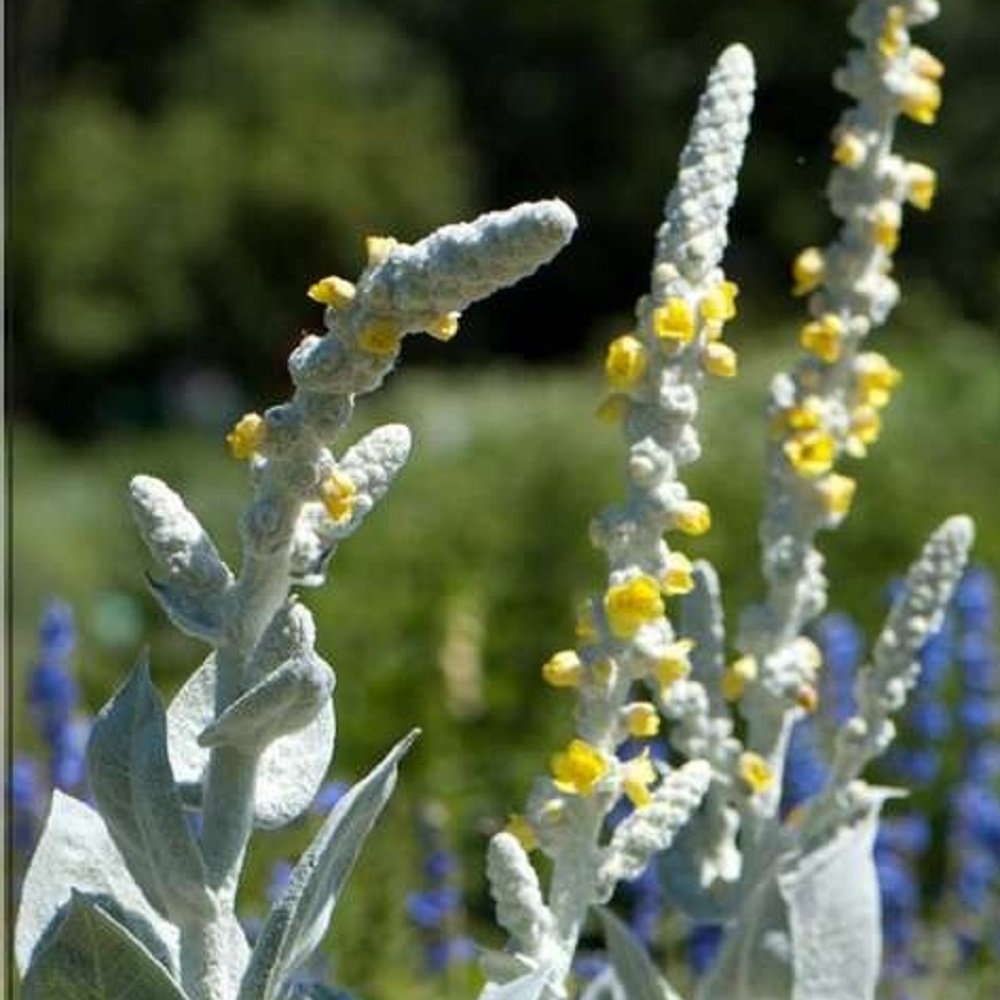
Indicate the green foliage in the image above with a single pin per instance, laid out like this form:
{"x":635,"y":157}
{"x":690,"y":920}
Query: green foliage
{"x":279,"y":134}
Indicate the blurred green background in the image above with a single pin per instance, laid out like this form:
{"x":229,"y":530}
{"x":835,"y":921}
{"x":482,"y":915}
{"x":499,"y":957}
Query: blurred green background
{"x":181,"y":172}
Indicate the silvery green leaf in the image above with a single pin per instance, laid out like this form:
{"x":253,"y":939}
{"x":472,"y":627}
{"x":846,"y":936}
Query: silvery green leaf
{"x":195,"y":615}
{"x":756,"y":960}
{"x":633,"y":966}
{"x":372,"y":464}
{"x":289,"y":773}
{"x":832,"y":895}
{"x":196,"y":578}
{"x":298,"y":921}
{"x":681,"y":870}
{"x":175,"y":538}
{"x":527,"y":987}
{"x":75,"y":851}
{"x":89,"y":954}
{"x":291,"y":633}
{"x":133,"y":786}
{"x":285,"y":701}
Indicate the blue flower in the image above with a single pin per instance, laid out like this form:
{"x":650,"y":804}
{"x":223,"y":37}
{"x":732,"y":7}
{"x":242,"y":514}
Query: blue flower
{"x":328,"y":796}
{"x":841,"y":642}
{"x":978,"y":714}
{"x":976,"y":598}
{"x":431,"y":908}
{"x":906,"y":835}
{"x":929,"y":719}
{"x":703,"y":946}
{"x":805,"y":769}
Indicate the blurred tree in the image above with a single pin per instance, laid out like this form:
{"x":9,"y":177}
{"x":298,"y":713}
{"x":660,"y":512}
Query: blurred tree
{"x":180,"y":170}
{"x":188,"y":221}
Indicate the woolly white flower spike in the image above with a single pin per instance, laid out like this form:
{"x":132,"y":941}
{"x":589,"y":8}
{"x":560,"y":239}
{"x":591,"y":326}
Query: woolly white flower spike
{"x":693,"y":235}
{"x":654,"y":373}
{"x":651,"y":829}
{"x":882,"y":688}
{"x":830,"y":405}
{"x":520,"y":909}
{"x":425,"y":287}
{"x":351,"y":488}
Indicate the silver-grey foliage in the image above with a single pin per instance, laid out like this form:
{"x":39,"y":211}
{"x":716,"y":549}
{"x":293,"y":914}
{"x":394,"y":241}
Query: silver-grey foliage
{"x":131,"y":904}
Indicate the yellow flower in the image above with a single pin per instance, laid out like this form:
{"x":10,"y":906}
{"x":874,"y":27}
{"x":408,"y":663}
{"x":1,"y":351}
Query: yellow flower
{"x":677,"y":579}
{"x":641,"y":719}
{"x":807,"y":416}
{"x":247,"y":436}
{"x":866,"y":425}
{"x":836,"y":493}
{"x":755,"y":772}
{"x":673,"y":664}
{"x":736,"y":677}
{"x":921,"y":185}
{"x":339,"y":494}
{"x":811,"y":453}
{"x":886,"y":220}
{"x":577,"y":769}
{"x":637,"y":775}
{"x":378,"y":248}
{"x":332,"y":291}
{"x":925,"y":64}
{"x":563,"y":669}
{"x":922,"y":100}
{"x":807,"y":698}
{"x":821,"y":337}
{"x":631,"y":605}
{"x":674,"y":321}
{"x":893,"y":36}
{"x":613,"y":409}
{"x":849,"y":149}
{"x":380,"y":338}
{"x":444,"y":327}
{"x":807,"y":270}
{"x":520,"y":827}
{"x":719,"y":359}
{"x":875,"y":378}
{"x":626,"y":361}
{"x":719,"y":303}
{"x":692,"y":517}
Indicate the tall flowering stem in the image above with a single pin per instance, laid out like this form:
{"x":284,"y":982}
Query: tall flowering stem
{"x":305,"y":500}
{"x":829,"y":406}
{"x":625,"y":638}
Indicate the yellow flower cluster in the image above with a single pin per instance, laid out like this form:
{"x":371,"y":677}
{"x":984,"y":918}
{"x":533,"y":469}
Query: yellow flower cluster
{"x":678,"y":578}
{"x":737,"y":676}
{"x":247,"y":436}
{"x":333,"y":291}
{"x":673,"y":664}
{"x":631,"y":605}
{"x":563,"y":669}
{"x":822,"y":337}
{"x":641,"y":719}
{"x":638,"y":774}
{"x":808,"y":270}
{"x":339,"y":495}
{"x":577,"y":769}
{"x":755,"y":772}
{"x":692,"y":517}
{"x":626,"y":362}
